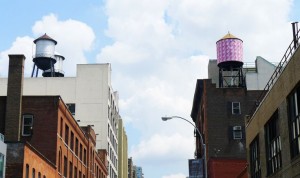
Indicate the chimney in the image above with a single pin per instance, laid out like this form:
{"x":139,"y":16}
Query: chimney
{"x":13,"y":112}
{"x":295,"y":34}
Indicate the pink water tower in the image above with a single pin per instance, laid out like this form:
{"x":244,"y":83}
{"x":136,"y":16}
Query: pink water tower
{"x":230,"y":61}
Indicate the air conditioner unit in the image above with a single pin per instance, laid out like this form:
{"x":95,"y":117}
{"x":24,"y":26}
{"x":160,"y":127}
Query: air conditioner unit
{"x":237,"y":127}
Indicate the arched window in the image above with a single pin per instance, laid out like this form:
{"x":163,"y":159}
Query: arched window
{"x":33,"y":173}
{"x":27,"y":171}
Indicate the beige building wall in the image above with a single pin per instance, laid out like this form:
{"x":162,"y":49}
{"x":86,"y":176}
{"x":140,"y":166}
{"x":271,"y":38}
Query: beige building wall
{"x":123,"y":151}
{"x":275,"y":99}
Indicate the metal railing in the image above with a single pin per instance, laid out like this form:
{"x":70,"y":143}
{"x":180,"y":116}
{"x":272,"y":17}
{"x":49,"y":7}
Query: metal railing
{"x":294,"y":45}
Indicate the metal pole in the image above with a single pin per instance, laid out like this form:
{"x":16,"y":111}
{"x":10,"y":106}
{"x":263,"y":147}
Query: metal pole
{"x":201,"y":139}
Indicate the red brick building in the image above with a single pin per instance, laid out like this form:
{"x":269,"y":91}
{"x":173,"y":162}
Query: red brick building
{"x":222,"y":126}
{"x":43,"y":139}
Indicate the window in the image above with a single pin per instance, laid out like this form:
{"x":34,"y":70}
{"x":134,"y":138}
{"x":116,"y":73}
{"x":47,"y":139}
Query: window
{"x":27,"y":171}
{"x":80,"y":152}
{"x":273,"y":144}
{"x":255,"y":159}
{"x":80,"y":175}
{"x":76,"y":146}
{"x":75,"y":172}
{"x":71,"y":107}
{"x":236,"y":108}
{"x":65,"y":166}
{"x":61,"y":127}
{"x":84,"y":156}
{"x":39,"y":175}
{"x":67,"y":134}
{"x":72,"y":141}
{"x":27,"y":124}
{"x":70,"y":170}
{"x":294,"y":122}
{"x":237,"y":132}
{"x":1,"y":165}
{"x":59,"y":160}
{"x":33,"y":173}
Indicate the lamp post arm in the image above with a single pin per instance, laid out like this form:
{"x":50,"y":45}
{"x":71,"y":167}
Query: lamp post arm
{"x":202,"y":142}
{"x":201,"y":139}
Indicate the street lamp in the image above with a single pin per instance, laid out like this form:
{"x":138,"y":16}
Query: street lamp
{"x":201,"y":139}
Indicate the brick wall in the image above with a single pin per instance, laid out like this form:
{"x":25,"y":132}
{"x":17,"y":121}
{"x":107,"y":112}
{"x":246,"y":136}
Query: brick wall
{"x":14,"y":99}
{"x":14,"y":160}
{"x":226,"y":168}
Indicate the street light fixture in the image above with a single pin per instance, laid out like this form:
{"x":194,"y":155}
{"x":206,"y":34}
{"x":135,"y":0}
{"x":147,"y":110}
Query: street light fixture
{"x":201,"y":138}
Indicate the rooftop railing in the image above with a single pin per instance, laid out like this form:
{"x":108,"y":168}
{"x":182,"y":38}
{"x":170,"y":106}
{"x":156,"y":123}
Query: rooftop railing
{"x":280,"y":67}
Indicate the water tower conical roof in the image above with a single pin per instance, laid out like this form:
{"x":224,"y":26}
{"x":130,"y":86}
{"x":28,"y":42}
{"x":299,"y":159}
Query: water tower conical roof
{"x":229,"y":36}
{"x":45,"y":37}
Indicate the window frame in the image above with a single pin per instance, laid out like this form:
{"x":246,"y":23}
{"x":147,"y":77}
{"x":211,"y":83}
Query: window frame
{"x":33,"y":173}
{"x":72,"y":141}
{"x":29,"y":116}
{"x":237,"y":132}
{"x":235,"y":108}
{"x":255,"y":164}
{"x":27,"y":171}
{"x":72,"y":108}
{"x":67,"y":130}
{"x":273,"y":144}
{"x":65,"y":166}
{"x":293,"y":101}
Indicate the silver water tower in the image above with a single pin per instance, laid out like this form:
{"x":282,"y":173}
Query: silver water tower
{"x":44,"y":57}
{"x":58,"y":67}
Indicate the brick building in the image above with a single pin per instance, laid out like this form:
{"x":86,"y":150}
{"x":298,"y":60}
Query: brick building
{"x":130,"y":167}
{"x":222,"y":126}
{"x":43,"y":139}
{"x":273,"y":130}
{"x":220,"y":105}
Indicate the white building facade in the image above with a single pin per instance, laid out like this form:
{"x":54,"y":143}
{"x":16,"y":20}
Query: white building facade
{"x":91,"y":100}
{"x":3,"y":148}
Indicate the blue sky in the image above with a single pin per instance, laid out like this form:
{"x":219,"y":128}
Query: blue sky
{"x":157,"y":50}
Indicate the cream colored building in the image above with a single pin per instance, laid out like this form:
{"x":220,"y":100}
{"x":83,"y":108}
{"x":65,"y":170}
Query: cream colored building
{"x":122,"y":151}
{"x":273,"y":131}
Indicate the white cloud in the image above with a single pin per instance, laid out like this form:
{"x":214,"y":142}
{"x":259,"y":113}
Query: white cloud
{"x":72,"y":44}
{"x":163,"y":149}
{"x":22,"y":45}
{"x":160,"y":48}
{"x":179,"y":175}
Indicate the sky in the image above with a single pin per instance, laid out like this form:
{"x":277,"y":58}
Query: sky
{"x":157,"y":50}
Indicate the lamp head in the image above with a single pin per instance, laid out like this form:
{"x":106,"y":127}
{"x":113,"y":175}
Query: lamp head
{"x":166,"y":118}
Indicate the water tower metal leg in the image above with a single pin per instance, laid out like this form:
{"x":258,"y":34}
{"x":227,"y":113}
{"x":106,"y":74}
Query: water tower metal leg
{"x":220,"y":78}
{"x":37,"y":72}
{"x":33,"y":70}
{"x":51,"y":69}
